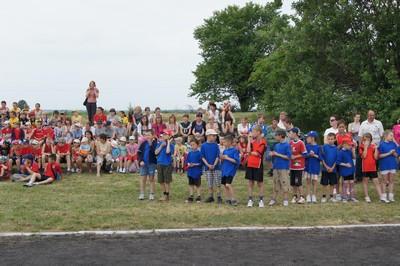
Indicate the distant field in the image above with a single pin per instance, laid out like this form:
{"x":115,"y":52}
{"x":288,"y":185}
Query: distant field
{"x":84,"y":202}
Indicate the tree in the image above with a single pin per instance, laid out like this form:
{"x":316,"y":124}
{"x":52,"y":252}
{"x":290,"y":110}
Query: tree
{"x":231,"y":41}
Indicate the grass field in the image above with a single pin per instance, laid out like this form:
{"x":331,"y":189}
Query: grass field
{"x":85,"y":202}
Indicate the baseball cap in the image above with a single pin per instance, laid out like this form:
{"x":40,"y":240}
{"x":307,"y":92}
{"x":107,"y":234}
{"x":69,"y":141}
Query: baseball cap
{"x":312,"y":134}
{"x":211,"y":132}
{"x":295,"y":130}
{"x":122,"y":139}
{"x":132,"y":138}
{"x":77,"y":141}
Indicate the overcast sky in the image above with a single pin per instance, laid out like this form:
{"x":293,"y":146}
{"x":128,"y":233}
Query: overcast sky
{"x":138,"y":52}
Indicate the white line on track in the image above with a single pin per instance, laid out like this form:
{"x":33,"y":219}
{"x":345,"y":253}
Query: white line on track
{"x":191,"y":230}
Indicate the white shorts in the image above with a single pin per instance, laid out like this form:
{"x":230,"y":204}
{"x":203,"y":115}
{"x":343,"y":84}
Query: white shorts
{"x":311,"y":176}
{"x":385,"y":172}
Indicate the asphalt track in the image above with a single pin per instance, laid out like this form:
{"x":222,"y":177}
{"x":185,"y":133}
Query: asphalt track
{"x":345,"y":246}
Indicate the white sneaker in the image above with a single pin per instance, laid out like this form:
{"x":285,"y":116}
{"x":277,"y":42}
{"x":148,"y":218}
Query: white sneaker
{"x":314,"y":199}
{"x":141,"y":196}
{"x":384,"y":199}
{"x":261,"y":204}
{"x":72,"y":170}
{"x":285,"y":203}
{"x":391,"y":197}
{"x":308,"y":199}
{"x":301,"y":200}
{"x":272,"y":202}
{"x":332,"y":199}
{"x":323,"y":200}
{"x":338,"y":197}
{"x":294,"y":199}
{"x":151,"y":196}
{"x":250,"y":203}
{"x":124,"y":171}
{"x":68,"y":170}
{"x":367,"y":199}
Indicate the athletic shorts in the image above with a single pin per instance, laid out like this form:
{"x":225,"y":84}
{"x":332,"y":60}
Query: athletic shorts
{"x":213,"y":178}
{"x":311,"y":176}
{"x":348,"y":178}
{"x":296,"y":178}
{"x":226,"y":180}
{"x":329,"y":179}
{"x":164,"y":174}
{"x":100,"y":159}
{"x":255,"y":174}
{"x":280,"y":180}
{"x":194,"y":181}
{"x":148,"y":170}
{"x":370,"y":175}
{"x":44,"y":178}
{"x":385,"y":172}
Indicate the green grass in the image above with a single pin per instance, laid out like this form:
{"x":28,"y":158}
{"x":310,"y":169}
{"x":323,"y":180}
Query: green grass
{"x":84,"y":202}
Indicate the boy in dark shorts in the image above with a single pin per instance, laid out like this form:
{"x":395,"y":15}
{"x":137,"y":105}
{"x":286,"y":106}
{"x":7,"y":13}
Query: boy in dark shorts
{"x":254,"y":168}
{"x":194,"y":171}
{"x":345,"y":162}
{"x":164,"y":152}
{"x":329,"y":177}
{"x":230,"y":163}
{"x":51,"y":173}
{"x":297,"y":165}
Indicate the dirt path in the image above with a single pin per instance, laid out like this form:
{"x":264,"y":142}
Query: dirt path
{"x":362,"y":246}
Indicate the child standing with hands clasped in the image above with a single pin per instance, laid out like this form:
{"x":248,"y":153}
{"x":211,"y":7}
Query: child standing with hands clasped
{"x":329,"y":177}
{"x":230,"y":162}
{"x":388,"y":164}
{"x":313,"y":166}
{"x":164,"y":151}
{"x":194,"y":171}
{"x":297,"y":165}
{"x":254,"y":170}
{"x":345,"y":162}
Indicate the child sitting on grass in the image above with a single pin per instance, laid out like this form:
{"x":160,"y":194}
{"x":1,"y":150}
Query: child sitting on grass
{"x":194,"y":171}
{"x":51,"y":173}
{"x":230,"y":162}
{"x":103,"y":153}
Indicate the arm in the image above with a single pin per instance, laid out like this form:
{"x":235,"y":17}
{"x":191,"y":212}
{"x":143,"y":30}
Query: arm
{"x":158,"y":150}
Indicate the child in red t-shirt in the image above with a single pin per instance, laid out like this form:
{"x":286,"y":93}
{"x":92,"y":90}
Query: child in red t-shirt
{"x":369,"y":154}
{"x":37,"y":152}
{"x":63,"y":150}
{"x":297,"y":165}
{"x":4,"y":169}
{"x":75,"y":154}
{"x":51,"y":173}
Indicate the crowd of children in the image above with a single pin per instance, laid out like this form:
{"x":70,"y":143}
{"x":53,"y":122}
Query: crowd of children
{"x":33,"y":145}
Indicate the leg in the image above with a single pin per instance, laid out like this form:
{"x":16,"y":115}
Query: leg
{"x":365,"y":186}
{"x":377,"y":186}
{"x":250,"y":187}
{"x":68,"y":157}
{"x":260,"y":189}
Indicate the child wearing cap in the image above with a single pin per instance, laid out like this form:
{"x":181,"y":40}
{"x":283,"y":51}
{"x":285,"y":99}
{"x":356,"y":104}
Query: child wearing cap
{"x":230,"y":161}
{"x":280,"y":162}
{"x":254,"y":168}
{"x":51,"y":173}
{"x":75,"y":156}
{"x":387,"y":163}
{"x":194,"y":163}
{"x":210,"y":156}
{"x":147,"y":161}
{"x":329,"y":159}
{"x":297,"y":165}
{"x":345,"y":163}
{"x":313,"y":166}
{"x":123,"y":155}
{"x":63,"y":150}
{"x":132,"y":155}
{"x":164,"y":151}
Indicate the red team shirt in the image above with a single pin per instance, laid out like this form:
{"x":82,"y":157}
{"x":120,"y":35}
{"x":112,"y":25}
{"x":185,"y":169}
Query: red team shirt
{"x":347,"y":137}
{"x":368,"y":163}
{"x":63,"y":148}
{"x":297,"y":148}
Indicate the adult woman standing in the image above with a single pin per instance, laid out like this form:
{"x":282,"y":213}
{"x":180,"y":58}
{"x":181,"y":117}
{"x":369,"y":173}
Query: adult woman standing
{"x":354,"y":127}
{"x":92,"y":93}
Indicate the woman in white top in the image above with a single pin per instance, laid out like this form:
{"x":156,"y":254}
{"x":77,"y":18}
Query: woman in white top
{"x":333,"y":129}
{"x":243,"y":127}
{"x":354,"y":127}
{"x":143,"y":126}
{"x":213,"y":111}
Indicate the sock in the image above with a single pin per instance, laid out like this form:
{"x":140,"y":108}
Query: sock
{"x":324,"y":196}
{"x":261,"y":197}
{"x":166,"y":193}
{"x":250,"y":198}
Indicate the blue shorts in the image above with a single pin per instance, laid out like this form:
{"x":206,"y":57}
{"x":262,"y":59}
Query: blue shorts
{"x":148,"y":170}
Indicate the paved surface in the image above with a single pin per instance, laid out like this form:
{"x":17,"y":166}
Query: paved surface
{"x":361,"y":246}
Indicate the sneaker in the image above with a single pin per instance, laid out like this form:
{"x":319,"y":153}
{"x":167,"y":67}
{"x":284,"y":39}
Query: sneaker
{"x":314,"y":199}
{"x":151,"y":196}
{"x":308,"y":199}
{"x":384,"y":199}
{"x":28,"y":184}
{"x":294,"y":200}
{"x":68,"y":170}
{"x":219,"y":200}
{"x":164,"y":198}
{"x":391,"y":197}
{"x":198,"y":199}
{"x":333,"y":199}
{"x":285,"y":203}
{"x":228,"y":202}
{"x":111,"y":171}
{"x":189,"y":200}
{"x":78,"y":170}
{"x":141,"y":196}
{"x":272,"y":202}
{"x":301,"y":200}
{"x":353,"y":200}
{"x":250,"y":203}
{"x":261,"y":204}
{"x":209,"y":200}
{"x":323,"y":200}
{"x":72,"y":170}
{"x":338,"y":197}
{"x":234,"y":202}
{"x":367,"y":199}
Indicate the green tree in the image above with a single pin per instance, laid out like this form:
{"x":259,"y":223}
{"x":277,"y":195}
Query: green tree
{"x":231,"y":41}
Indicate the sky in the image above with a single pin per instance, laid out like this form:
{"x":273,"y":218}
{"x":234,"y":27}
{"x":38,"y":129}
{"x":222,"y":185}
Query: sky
{"x":138,"y":52}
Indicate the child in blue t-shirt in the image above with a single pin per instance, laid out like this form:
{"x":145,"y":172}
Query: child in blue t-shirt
{"x":164,"y":151}
{"x":312,"y":166}
{"x":195,"y":165}
{"x":210,"y":156}
{"x":280,"y":163}
{"x":329,"y":159}
{"x":230,"y":159}
{"x":388,"y":152}
{"x":345,"y":162}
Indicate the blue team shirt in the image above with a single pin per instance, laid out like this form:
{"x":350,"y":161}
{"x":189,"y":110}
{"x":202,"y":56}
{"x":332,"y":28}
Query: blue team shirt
{"x":210,"y":152}
{"x":389,"y":162}
{"x":229,"y":168}
{"x":329,"y":156}
{"x":194,"y":171}
{"x":115,"y":152}
{"x":164,"y":158}
{"x":345,"y":156}
{"x":278,"y":162}
{"x":313,"y":164}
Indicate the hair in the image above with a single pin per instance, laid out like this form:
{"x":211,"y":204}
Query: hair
{"x":147,"y":120}
{"x":147,"y":109}
{"x":260,"y":116}
{"x":3,"y":102}
{"x":161,"y":120}
{"x":368,"y":135}
{"x":332,"y":135}
{"x":137,"y":110}
{"x":257,"y":128}
{"x":172,"y":117}
{"x":186,"y":115}
{"x":103,"y":136}
{"x":280,"y":132}
{"x":386,"y":133}
{"x":228,"y":138}
{"x":341,"y":122}
{"x":157,"y":109}
{"x":195,"y":141}
{"x":92,"y":82}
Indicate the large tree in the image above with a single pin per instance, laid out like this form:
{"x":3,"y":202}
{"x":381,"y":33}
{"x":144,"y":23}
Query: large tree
{"x":231,"y":41}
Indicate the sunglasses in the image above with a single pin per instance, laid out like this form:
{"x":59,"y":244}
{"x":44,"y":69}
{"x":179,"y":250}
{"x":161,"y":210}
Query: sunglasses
{"x":333,"y":120}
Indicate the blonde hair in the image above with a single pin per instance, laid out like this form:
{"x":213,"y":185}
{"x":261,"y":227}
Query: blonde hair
{"x":386,"y":133}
